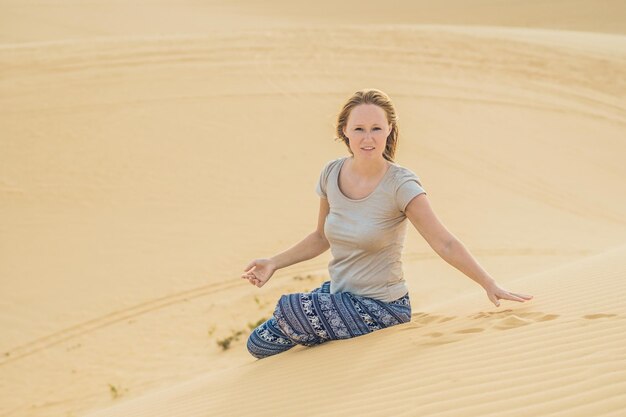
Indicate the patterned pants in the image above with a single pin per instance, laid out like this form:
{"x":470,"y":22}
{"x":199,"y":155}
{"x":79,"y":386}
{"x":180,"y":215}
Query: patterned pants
{"x":313,"y":318}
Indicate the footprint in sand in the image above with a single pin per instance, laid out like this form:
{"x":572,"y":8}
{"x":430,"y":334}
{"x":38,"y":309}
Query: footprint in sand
{"x":471,"y":330}
{"x":420,"y":320}
{"x":436,"y":339}
{"x":425,"y":318}
{"x":598,"y":316}
{"x":501,"y":320}
{"x":508,"y":319}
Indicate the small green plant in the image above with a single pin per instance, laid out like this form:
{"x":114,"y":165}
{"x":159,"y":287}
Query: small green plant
{"x":212,"y":330}
{"x":116,"y":391}
{"x":257,"y":324}
{"x":225,"y":343}
{"x":259,"y":302}
{"x":301,"y":278}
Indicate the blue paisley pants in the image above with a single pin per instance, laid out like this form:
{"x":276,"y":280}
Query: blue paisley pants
{"x":313,"y":318}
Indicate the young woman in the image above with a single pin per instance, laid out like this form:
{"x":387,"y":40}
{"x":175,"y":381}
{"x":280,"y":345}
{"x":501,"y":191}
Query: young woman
{"x":364,"y":201}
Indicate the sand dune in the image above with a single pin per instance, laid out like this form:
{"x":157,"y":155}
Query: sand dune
{"x":36,"y":20}
{"x":138,"y":176}
{"x":561,"y":355}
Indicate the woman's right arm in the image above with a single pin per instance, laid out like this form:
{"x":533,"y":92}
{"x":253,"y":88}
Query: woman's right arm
{"x":259,"y":271}
{"x":309,"y":247}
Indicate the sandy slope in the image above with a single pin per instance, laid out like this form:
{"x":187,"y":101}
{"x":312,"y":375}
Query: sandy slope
{"x":562,"y":355}
{"x":139,"y":172}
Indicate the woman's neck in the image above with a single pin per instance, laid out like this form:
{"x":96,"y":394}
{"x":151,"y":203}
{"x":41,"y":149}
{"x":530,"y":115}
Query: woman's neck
{"x":368,"y":168}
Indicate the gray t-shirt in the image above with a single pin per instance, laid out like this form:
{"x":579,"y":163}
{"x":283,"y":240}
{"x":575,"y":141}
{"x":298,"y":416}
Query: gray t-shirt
{"x":366,"y":236}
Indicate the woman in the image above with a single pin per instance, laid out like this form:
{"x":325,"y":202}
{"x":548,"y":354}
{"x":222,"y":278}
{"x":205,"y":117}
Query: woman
{"x":364,"y":200}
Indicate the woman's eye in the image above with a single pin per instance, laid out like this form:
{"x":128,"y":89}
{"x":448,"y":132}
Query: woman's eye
{"x":358,"y":128}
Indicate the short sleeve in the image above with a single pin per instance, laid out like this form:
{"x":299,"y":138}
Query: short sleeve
{"x":409,"y":186}
{"x":320,"y":188}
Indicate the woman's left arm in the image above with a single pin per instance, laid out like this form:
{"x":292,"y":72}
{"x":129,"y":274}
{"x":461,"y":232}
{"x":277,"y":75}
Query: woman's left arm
{"x":452,"y":250}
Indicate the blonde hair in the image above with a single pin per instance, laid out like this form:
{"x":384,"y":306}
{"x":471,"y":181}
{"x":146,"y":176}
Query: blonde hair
{"x":382,"y":100}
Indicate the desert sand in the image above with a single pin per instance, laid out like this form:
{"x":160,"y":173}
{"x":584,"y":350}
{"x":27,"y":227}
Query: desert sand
{"x":149,"y":150}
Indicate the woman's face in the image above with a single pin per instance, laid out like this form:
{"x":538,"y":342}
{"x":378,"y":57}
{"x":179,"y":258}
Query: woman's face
{"x":367,"y":130}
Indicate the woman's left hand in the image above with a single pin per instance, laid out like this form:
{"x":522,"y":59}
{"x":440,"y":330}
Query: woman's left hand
{"x":496,"y":293}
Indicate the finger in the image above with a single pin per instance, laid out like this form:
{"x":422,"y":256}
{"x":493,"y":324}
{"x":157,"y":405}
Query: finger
{"x":510,"y":296}
{"x":494,"y":299}
{"x":250,"y":265}
{"x":528,"y":297}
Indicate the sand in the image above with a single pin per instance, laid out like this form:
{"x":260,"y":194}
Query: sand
{"x":149,"y":151}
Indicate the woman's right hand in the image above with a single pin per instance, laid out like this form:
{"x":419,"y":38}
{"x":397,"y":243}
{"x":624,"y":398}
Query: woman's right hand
{"x":259,"y":271}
